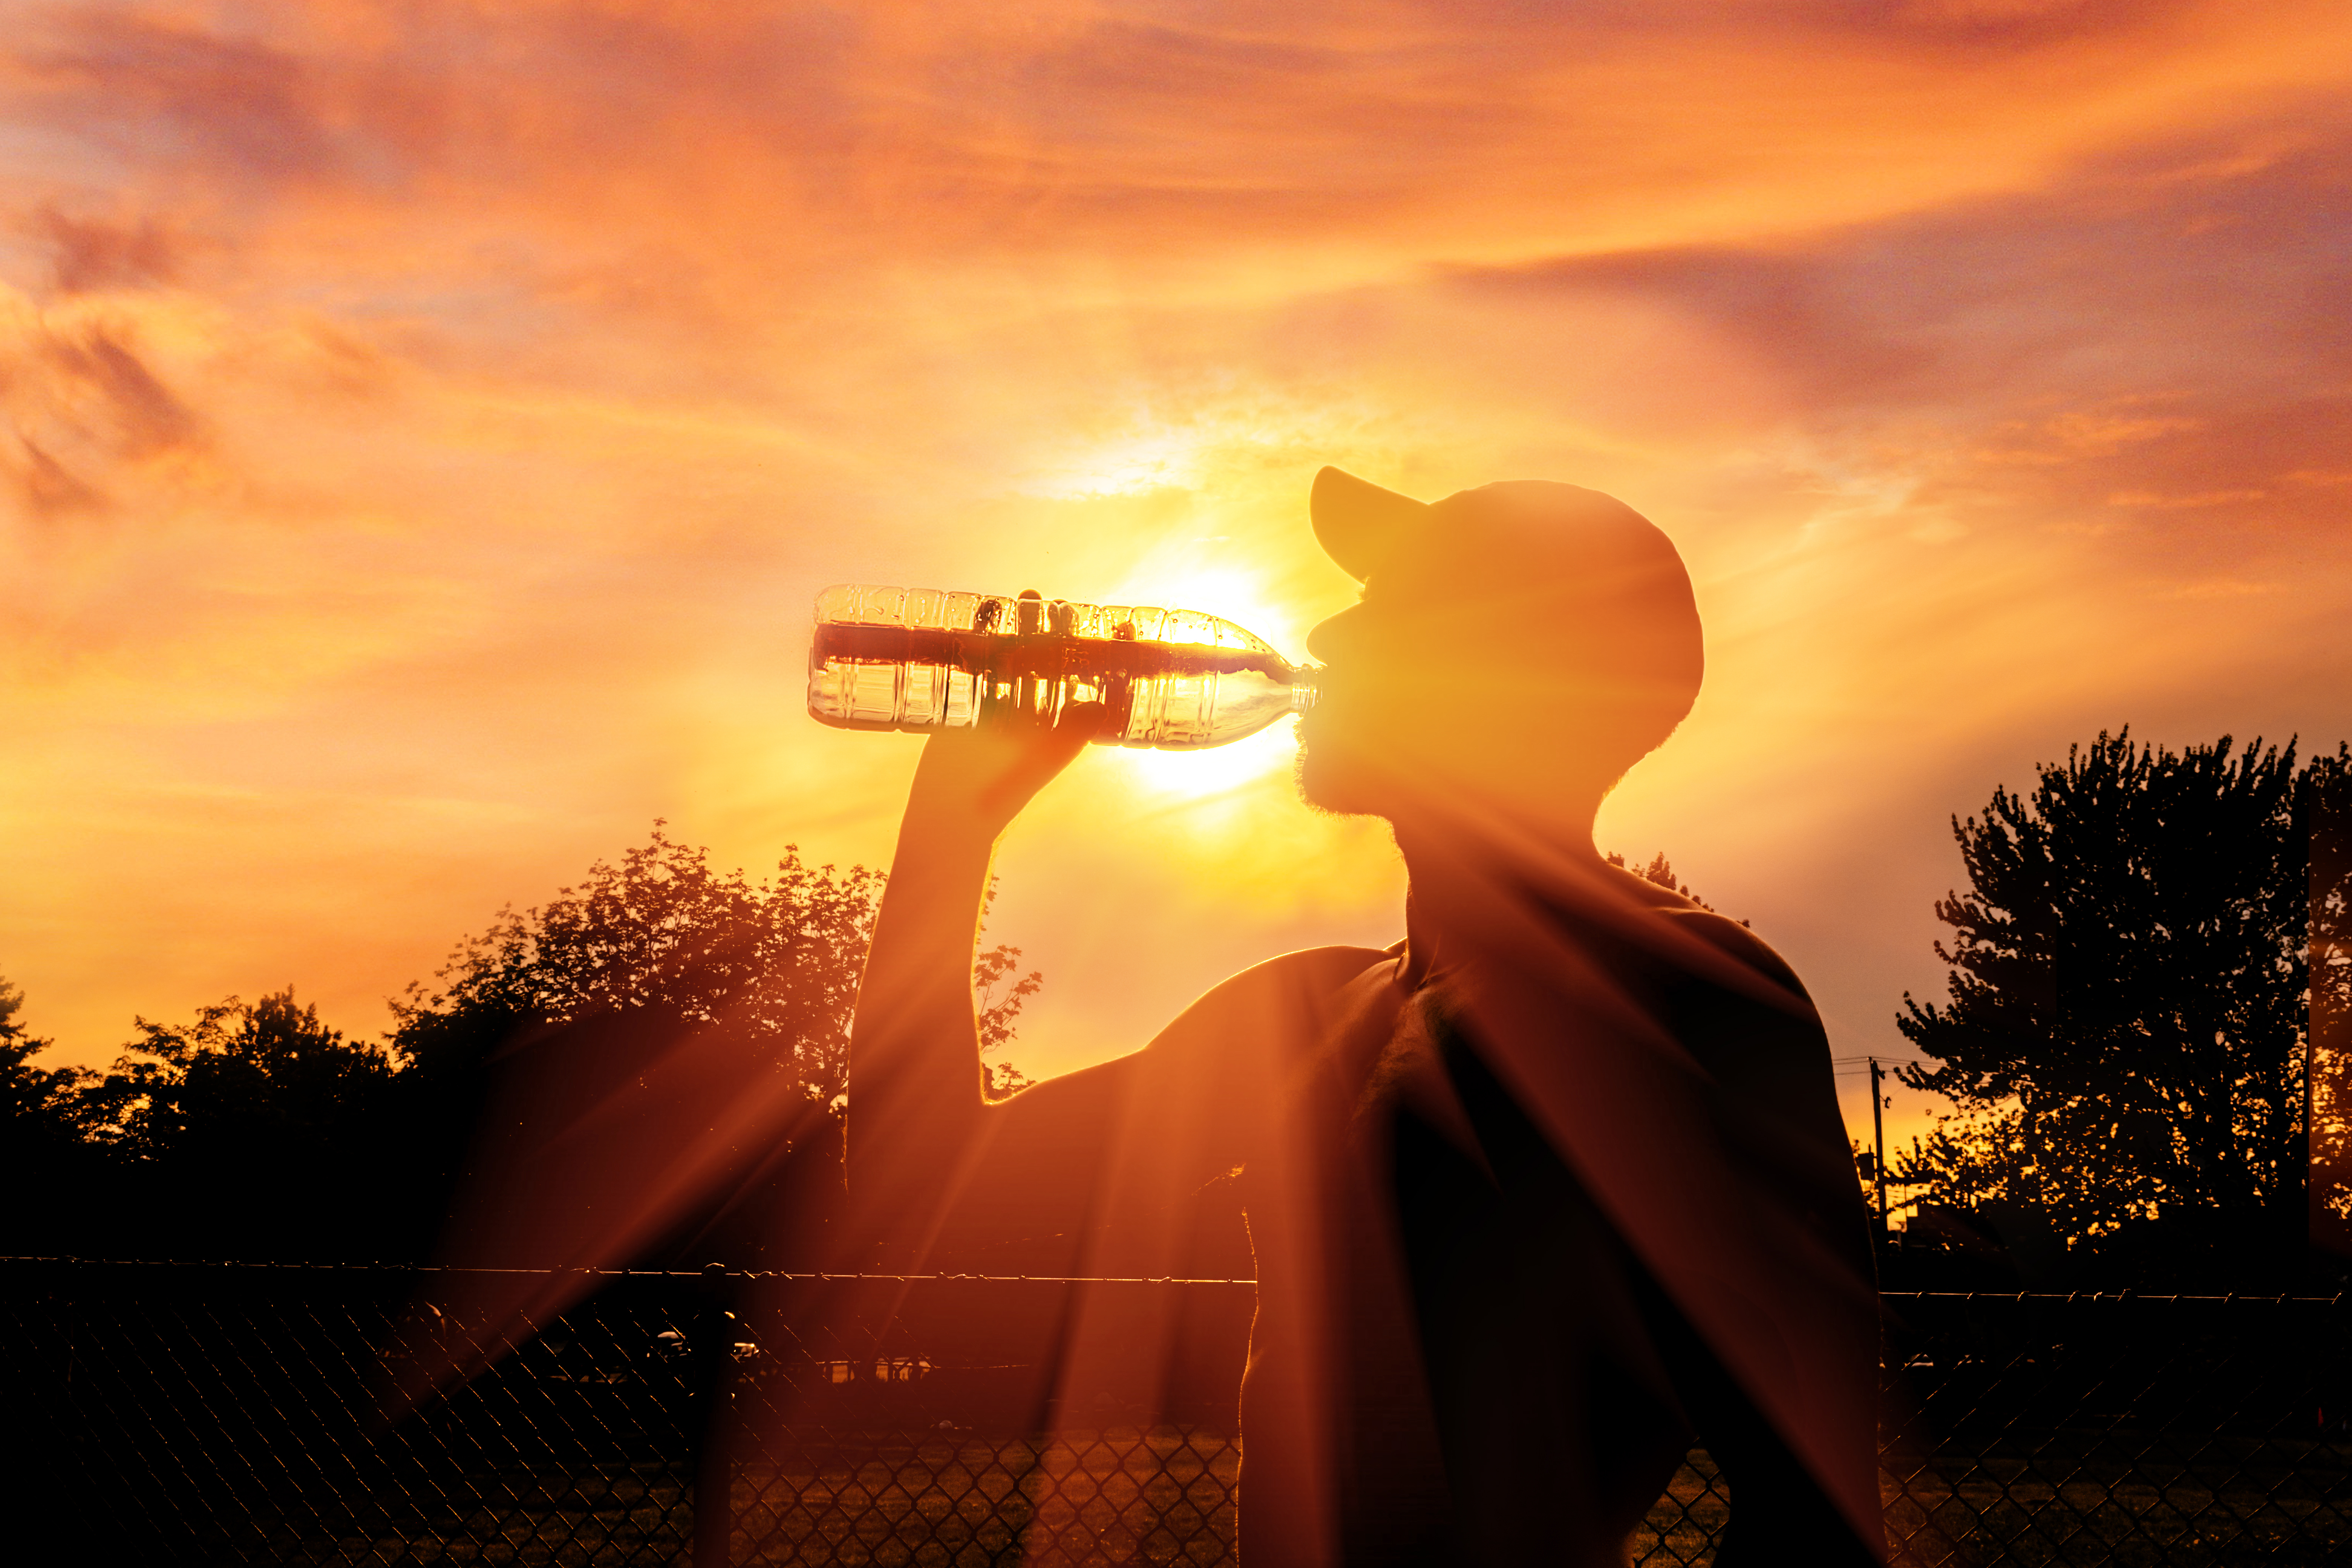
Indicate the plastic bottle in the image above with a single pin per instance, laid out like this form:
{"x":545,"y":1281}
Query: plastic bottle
{"x":919,"y":659}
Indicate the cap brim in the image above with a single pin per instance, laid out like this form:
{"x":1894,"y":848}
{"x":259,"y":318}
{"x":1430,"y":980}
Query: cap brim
{"x":1357,"y":522}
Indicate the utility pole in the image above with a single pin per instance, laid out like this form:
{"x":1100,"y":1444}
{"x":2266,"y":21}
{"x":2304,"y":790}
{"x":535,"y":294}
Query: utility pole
{"x":1878,"y":1138}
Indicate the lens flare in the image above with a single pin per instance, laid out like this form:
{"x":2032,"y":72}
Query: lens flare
{"x":1188,"y":574}
{"x":1202,"y":776}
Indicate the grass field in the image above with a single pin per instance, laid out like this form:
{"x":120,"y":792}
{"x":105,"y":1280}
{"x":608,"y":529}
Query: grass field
{"x":1168,"y":1497}
{"x":1161,"y":1496}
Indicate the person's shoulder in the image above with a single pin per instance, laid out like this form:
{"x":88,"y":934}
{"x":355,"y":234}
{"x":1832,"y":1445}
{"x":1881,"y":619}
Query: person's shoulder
{"x":1736,"y":940}
{"x":1309,"y":971}
{"x":1302,"y":986}
{"x":1343,"y":962}
{"x":1687,"y":918}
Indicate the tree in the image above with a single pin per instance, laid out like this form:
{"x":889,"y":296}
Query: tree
{"x":778,"y":960}
{"x":699,"y":1018}
{"x":254,"y":1132}
{"x":241,"y":1079}
{"x":54,"y":1180}
{"x":40,"y":1107}
{"x":2124,"y":1039}
{"x":2327,"y":805}
{"x":1661,"y":871}
{"x":992,"y":969}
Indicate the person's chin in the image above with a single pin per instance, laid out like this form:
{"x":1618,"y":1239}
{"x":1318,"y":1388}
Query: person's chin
{"x":1327,"y":783}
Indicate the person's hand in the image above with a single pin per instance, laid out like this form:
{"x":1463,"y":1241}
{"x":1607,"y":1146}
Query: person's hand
{"x":980,"y":779}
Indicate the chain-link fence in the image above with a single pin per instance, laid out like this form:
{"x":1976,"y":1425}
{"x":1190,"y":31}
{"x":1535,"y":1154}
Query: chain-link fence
{"x":2125,"y":1429}
{"x":160,"y":1413}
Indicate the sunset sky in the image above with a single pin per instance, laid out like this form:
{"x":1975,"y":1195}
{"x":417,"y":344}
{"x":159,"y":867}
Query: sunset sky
{"x":423,"y":426}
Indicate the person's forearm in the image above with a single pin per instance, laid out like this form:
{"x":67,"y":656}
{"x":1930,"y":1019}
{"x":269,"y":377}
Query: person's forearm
{"x":916,"y":1100}
{"x":915,"y":1075}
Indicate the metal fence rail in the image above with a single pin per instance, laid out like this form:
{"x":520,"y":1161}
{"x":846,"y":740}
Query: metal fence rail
{"x":160,"y":1413}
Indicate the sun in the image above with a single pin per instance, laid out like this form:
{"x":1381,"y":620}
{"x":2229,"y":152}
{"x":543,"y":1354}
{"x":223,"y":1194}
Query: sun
{"x":1164,"y":777}
{"x":1188,"y":575}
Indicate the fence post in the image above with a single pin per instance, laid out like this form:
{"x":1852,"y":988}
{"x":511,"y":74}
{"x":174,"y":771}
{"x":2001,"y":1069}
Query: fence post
{"x":710,"y":1366}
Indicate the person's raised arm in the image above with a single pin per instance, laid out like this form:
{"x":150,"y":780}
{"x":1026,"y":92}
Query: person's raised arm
{"x":915,"y":1096}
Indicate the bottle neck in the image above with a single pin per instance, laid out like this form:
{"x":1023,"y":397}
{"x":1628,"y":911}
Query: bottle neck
{"x":1304,"y":689}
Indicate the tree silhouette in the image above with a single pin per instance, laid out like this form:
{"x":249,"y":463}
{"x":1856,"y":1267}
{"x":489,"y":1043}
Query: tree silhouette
{"x":242,"y":1077}
{"x":54,"y":1179}
{"x":2327,"y":803}
{"x":40,"y":1107}
{"x":592,"y":999}
{"x":995,"y":969}
{"x":1661,"y":871}
{"x":2123,"y":1041}
{"x":256,"y":1131}
{"x":776,"y":961}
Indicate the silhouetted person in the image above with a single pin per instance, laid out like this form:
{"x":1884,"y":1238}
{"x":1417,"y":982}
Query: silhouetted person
{"x":1534,"y":1197}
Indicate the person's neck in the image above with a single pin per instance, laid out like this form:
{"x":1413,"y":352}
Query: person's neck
{"x":1438,"y":853}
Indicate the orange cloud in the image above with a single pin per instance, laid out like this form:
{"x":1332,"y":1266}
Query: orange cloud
{"x":423,"y":427}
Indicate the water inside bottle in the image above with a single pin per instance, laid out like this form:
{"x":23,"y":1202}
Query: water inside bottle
{"x":897,"y":659}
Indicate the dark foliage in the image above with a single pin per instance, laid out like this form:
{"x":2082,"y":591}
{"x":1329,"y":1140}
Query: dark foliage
{"x":778,"y":962}
{"x":40,"y":1107}
{"x":257,"y":1131}
{"x":52,"y":1176}
{"x":243,"y":1078}
{"x":2123,"y":1042}
{"x":1661,"y":871}
{"x":254,"y":1131}
{"x":2327,"y":806}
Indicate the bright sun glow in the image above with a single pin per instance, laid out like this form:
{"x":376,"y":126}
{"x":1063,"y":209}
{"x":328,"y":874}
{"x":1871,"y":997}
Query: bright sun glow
{"x":1218,"y":771}
{"x":1198,"y":573}
{"x":1145,"y":459}
{"x":1190,"y":575}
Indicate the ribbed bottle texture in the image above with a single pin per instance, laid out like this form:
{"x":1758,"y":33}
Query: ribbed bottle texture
{"x":918,"y":659}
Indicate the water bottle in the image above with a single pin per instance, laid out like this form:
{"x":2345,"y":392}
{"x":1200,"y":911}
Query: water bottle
{"x":919,"y":659}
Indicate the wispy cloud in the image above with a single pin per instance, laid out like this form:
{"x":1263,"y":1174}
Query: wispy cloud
{"x":422,"y":424}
